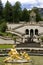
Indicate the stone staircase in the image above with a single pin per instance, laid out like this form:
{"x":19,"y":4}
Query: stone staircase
{"x":29,"y":44}
{"x":16,"y":33}
{"x":18,"y":27}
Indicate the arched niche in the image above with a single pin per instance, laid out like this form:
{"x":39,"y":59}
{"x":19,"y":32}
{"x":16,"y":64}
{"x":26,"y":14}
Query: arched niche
{"x":36,"y":31}
{"x":27,"y":32}
{"x":31,"y":32}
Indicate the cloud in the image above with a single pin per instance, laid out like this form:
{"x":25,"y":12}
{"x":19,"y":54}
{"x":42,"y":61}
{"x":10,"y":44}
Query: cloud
{"x":27,"y":3}
{"x":22,"y":1}
{"x":41,"y":1}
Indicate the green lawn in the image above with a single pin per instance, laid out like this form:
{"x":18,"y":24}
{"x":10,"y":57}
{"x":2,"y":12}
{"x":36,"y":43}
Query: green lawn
{"x":5,"y":46}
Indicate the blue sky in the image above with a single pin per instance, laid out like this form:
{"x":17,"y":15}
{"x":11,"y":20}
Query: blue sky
{"x":27,"y":3}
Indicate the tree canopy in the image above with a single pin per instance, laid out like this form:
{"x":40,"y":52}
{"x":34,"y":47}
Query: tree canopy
{"x":8,"y":11}
{"x":1,"y":10}
{"x":15,"y":14}
{"x":25,"y":15}
{"x":38,"y":17}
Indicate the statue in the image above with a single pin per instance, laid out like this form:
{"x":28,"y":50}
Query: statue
{"x":25,"y":55}
{"x":17,"y":57}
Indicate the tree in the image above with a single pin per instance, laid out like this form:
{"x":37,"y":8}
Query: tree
{"x":16,"y":12}
{"x":42,"y":38}
{"x":25,"y":15}
{"x":3,"y":27}
{"x":8,"y":11}
{"x":1,"y":10}
{"x":36,"y":10}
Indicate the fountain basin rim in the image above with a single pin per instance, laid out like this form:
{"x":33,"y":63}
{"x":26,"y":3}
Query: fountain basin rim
{"x":19,"y":61}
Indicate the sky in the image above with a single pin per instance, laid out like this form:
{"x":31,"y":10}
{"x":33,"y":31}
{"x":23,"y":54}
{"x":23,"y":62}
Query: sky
{"x":26,"y":3}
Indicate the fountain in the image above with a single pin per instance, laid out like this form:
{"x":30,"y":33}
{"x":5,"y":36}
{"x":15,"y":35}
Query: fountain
{"x":15,"y":56}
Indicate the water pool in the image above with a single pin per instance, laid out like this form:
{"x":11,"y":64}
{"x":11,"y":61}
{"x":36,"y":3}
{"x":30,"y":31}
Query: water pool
{"x":37,"y":60}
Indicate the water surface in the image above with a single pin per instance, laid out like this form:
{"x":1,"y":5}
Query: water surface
{"x":37,"y":60}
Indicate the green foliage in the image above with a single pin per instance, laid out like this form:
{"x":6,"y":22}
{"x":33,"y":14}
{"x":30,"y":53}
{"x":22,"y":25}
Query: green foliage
{"x":17,"y":12}
{"x":42,"y":39}
{"x":2,"y":34}
{"x":36,"y":10}
{"x":3,"y":27}
{"x":41,"y":19}
{"x":14,"y":38}
{"x":25,"y":15}
{"x":5,"y":34}
{"x":2,"y":20}
{"x":8,"y":11}
{"x":1,"y":10}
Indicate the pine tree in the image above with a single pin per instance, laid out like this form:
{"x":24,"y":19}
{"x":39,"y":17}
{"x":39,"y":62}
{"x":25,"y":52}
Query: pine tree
{"x":25,"y":15}
{"x":17,"y":12}
{"x":1,"y":10}
{"x":8,"y":11}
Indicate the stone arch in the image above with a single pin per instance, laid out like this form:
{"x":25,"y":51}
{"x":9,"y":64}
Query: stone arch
{"x":31,"y":32}
{"x":27,"y":32}
{"x":36,"y":31}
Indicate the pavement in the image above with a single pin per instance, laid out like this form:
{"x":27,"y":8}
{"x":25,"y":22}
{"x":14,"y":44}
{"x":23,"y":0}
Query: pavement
{"x":2,"y":41}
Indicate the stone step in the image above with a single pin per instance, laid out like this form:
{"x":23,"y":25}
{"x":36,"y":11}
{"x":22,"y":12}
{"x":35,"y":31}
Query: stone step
{"x":29,"y":45}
